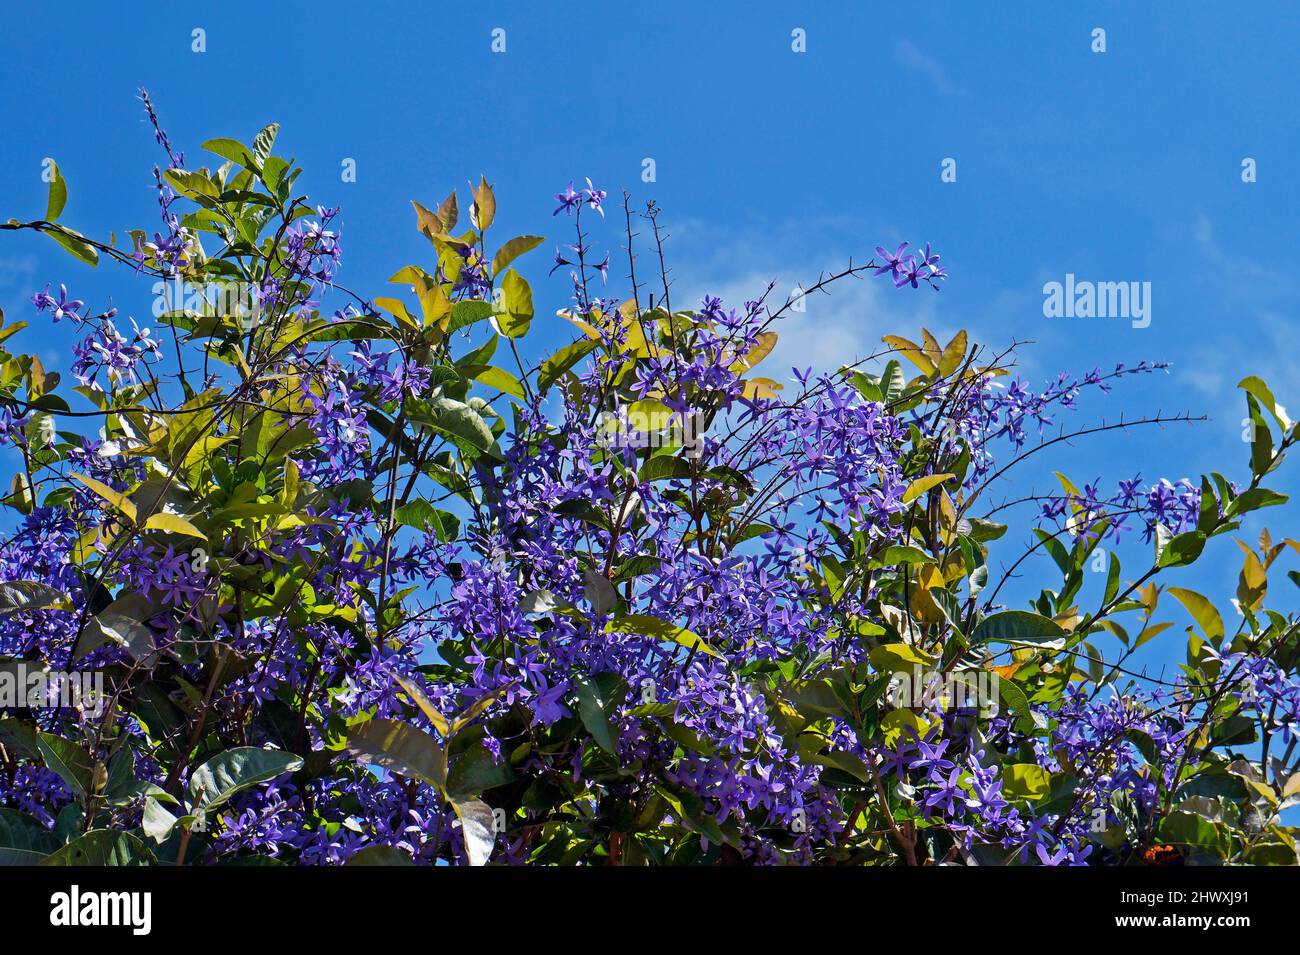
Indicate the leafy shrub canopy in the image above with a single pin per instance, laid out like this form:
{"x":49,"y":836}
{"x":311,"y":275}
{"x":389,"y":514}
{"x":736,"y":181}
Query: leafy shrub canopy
{"x":363,"y":584}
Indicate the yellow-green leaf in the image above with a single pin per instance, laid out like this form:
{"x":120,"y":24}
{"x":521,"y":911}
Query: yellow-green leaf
{"x":912,"y":352}
{"x":923,"y":484}
{"x":58,"y":194}
{"x":899,"y":658}
{"x":417,"y":695}
{"x":501,"y":380}
{"x":173,"y":524}
{"x":1202,"y":611}
{"x":116,"y":498}
{"x":762,"y":348}
{"x":953,"y":354}
{"x":1025,"y":781}
{"x":513,"y":249}
{"x":760,"y":388}
{"x":485,"y":205}
{"x":518,"y":300}
{"x":648,"y":626}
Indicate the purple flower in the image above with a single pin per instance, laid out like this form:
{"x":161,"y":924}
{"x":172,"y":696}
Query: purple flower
{"x":568,"y":201}
{"x":60,"y":307}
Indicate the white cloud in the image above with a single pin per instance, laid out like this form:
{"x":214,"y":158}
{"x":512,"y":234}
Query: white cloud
{"x":837,"y":327}
{"x":16,"y":270}
{"x":1229,"y":263}
{"x":908,"y":56}
{"x":1262,"y":339}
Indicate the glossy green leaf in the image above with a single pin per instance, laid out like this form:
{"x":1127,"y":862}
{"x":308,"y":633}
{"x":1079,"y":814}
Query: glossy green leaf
{"x":399,"y":748}
{"x":1016,"y":626}
{"x":235,"y":770}
{"x":102,"y":847}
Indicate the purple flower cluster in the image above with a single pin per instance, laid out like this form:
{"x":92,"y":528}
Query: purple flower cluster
{"x":911,"y":269}
{"x":110,"y":351}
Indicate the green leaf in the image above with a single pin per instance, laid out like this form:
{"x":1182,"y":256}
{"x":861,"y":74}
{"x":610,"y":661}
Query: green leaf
{"x":1011,"y":696}
{"x":18,"y":736}
{"x":912,"y":352}
{"x":464,"y":314}
{"x":1252,"y":499}
{"x":1261,"y":447}
{"x":518,"y":298}
{"x":923,"y":484}
{"x":1181,"y":549}
{"x":102,"y":847}
{"x":273,"y":171}
{"x":664,"y":467}
{"x":426,"y":518}
{"x":867,"y":387}
{"x":845,"y":762}
{"x":899,"y":658}
{"x":455,"y":419}
{"x":476,"y":771}
{"x":562,"y":361}
{"x":418,"y":697}
{"x":1016,"y":626}
{"x":1236,"y":730}
{"x":23,"y":840}
{"x":982,"y":530}
{"x":477,"y":828}
{"x":599,"y":591}
{"x":122,"y":623}
{"x":1052,"y":544}
{"x":892,"y":381}
{"x":21,"y":595}
{"x":513,"y":249}
{"x":75,"y":243}
{"x":954,"y":353}
{"x":192,"y":185}
{"x":1112,"y":578}
{"x":690,"y":810}
{"x":1202,"y":611}
{"x":173,"y":524}
{"x":1255,"y":386}
{"x":1189,"y":829}
{"x":66,"y":758}
{"x":594,"y":709}
{"x":157,"y":822}
{"x":501,"y":380}
{"x":649,"y":626}
{"x":1025,"y":781}
{"x":400,"y":748}
{"x":58,"y":194}
{"x":900,"y":554}
{"x":380,"y":855}
{"x":264,"y":141}
{"x":116,"y":498}
{"x":235,"y":770}
{"x":484,"y":209}
{"x":542,"y":601}
{"x":233,"y":150}
{"x":476,"y":709}
{"x":1208,"y":518}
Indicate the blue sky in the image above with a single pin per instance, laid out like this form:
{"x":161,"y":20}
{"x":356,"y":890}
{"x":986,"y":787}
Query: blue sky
{"x":770,"y":164}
